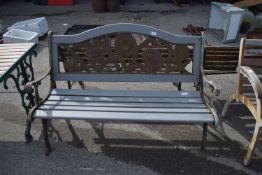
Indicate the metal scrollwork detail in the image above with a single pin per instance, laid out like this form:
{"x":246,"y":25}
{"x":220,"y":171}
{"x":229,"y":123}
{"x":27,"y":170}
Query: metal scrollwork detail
{"x":179,"y":57}
{"x":28,"y":66}
{"x":20,"y":76}
{"x":126,"y":45}
{"x":99,"y":55}
{"x":152,"y":61}
{"x":125,"y":53}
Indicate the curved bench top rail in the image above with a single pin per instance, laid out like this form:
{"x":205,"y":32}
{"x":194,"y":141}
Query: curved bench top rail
{"x":125,"y":27}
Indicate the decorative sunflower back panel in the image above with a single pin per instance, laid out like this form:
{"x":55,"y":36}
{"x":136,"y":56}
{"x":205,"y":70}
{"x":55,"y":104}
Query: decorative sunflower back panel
{"x":126,"y":53}
{"x":126,"y":49}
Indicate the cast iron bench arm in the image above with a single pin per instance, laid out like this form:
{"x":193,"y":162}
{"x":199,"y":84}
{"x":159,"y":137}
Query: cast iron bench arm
{"x":32,"y":87}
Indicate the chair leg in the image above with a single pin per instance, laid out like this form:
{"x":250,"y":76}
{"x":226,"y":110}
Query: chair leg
{"x":28,"y":136}
{"x":69,"y":85}
{"x":179,"y":84}
{"x":226,"y":105}
{"x":252,"y":145}
{"x":45,"y":134}
{"x":204,"y":137}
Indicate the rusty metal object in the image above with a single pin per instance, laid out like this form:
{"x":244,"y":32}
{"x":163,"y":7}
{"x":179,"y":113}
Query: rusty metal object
{"x":126,"y":45}
{"x":153,"y":61}
{"x":193,"y":30}
{"x":180,"y":57}
{"x":126,"y":53}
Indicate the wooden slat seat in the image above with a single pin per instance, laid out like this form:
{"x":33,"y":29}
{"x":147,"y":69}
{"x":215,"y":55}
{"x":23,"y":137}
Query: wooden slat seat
{"x":141,"y":106}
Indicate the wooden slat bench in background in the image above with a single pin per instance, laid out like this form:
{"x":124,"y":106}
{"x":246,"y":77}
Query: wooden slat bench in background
{"x":124,"y":53}
{"x":220,"y":60}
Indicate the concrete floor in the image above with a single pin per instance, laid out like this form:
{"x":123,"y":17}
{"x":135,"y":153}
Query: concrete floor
{"x":126,"y":148}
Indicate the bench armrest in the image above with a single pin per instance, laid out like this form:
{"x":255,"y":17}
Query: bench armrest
{"x":32,"y":86}
{"x":253,"y":79}
{"x":215,"y":89}
{"x":211,"y":100}
{"x":29,"y":85}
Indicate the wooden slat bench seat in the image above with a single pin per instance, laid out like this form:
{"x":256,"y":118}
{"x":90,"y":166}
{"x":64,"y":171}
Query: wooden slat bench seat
{"x":143,"y":106}
{"x":124,"y":53}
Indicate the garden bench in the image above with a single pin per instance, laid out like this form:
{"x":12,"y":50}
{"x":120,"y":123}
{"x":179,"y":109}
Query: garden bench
{"x":124,"y":53}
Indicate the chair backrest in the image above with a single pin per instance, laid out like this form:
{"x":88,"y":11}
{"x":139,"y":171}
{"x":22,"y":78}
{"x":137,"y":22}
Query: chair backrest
{"x":220,"y":60}
{"x":125,"y":52}
{"x":250,"y":54}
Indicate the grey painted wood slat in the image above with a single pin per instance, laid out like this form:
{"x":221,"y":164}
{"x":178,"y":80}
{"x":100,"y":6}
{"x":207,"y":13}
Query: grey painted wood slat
{"x":125,"y":93}
{"x":197,"y":60}
{"x":137,"y":105}
{"x":122,"y":116}
{"x":123,"y":77}
{"x":125,"y":109}
{"x":126,"y":99}
{"x":253,"y":42}
{"x":55,"y":61}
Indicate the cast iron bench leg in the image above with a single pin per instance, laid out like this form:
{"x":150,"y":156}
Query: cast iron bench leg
{"x":178,"y":85}
{"x":204,"y":138}
{"x":45,"y":134}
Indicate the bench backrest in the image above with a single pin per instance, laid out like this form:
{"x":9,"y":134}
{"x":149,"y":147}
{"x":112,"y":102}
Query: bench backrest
{"x":125,"y":53}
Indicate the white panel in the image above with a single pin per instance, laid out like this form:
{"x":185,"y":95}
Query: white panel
{"x":217,"y":18}
{"x":233,"y":27}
